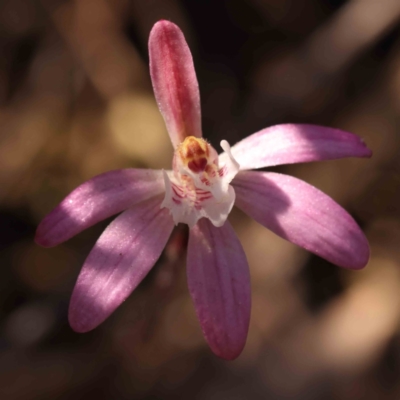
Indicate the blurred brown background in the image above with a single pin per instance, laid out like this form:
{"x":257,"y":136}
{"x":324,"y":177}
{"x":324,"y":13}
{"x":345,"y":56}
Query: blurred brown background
{"x":76,"y":100}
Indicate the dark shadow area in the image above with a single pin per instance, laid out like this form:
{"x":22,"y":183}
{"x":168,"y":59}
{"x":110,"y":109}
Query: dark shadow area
{"x":320,"y":282}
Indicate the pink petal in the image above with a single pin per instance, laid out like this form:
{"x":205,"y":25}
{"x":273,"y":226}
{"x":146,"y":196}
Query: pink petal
{"x":98,"y":198}
{"x":174,"y":81}
{"x":303,"y":215}
{"x":219,"y":283}
{"x":295,"y":143}
{"x":118,"y":262}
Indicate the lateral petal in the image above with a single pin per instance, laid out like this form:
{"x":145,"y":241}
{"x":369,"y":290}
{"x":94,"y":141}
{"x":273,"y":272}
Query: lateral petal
{"x":174,"y":81}
{"x":96,"y":199}
{"x":295,"y":143}
{"x":219,"y":283}
{"x":118,"y":262}
{"x":302,"y":214}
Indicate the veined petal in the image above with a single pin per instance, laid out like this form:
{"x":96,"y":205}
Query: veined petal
{"x":187,"y":204}
{"x":174,"y":81}
{"x":181,"y":207}
{"x":302,"y":214}
{"x":98,"y":198}
{"x":219,"y":283}
{"x":296,"y":143}
{"x":118,"y":262}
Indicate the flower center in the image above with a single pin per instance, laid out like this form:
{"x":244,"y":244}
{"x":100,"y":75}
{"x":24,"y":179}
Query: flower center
{"x":198,"y":186}
{"x":194,"y":154}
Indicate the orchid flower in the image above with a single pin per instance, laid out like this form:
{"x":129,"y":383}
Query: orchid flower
{"x":200,"y":191}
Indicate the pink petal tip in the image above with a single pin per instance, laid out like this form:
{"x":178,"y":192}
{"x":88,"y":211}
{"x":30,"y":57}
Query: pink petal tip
{"x":174,"y":81}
